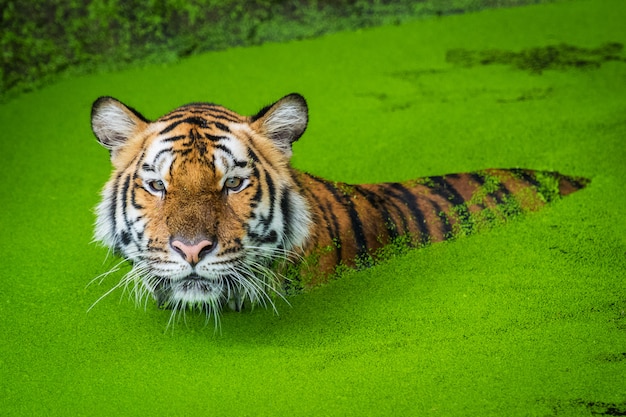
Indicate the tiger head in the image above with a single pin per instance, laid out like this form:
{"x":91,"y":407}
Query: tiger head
{"x":202,"y":201}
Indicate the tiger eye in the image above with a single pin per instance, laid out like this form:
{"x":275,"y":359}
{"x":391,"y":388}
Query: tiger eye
{"x":156,"y":186}
{"x":233,"y":183}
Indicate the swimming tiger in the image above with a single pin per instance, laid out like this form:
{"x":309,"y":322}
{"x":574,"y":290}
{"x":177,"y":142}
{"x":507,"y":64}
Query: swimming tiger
{"x":205,"y":205}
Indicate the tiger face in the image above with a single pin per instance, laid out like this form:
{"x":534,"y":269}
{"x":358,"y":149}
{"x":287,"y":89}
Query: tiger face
{"x":202,"y":201}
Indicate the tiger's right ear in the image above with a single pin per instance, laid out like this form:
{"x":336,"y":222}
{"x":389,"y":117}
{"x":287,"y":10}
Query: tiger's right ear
{"x":114,"y":123}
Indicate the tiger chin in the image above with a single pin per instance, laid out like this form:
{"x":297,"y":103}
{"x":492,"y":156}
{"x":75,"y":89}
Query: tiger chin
{"x":205,"y":205}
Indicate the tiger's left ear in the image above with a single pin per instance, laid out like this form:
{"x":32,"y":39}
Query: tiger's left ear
{"x":283,"y":122}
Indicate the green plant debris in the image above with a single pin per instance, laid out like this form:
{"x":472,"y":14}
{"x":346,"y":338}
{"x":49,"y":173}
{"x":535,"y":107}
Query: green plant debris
{"x":536,"y":60}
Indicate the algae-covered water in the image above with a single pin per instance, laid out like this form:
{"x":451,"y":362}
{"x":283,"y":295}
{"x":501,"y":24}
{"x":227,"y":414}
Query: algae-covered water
{"x":525,"y":319}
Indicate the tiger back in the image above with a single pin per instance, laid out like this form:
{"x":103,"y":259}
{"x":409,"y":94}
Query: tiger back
{"x":357,"y":221}
{"x":205,"y":205}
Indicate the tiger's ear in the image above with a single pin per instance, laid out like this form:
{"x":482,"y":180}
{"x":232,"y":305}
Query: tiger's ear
{"x":114,"y":123}
{"x":283,"y":122}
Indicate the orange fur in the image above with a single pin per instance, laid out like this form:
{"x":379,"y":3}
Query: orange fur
{"x":171,"y":208}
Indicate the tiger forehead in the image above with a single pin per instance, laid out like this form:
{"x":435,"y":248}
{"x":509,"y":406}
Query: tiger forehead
{"x":199,"y":122}
{"x":203,"y":115}
{"x":198,"y":130}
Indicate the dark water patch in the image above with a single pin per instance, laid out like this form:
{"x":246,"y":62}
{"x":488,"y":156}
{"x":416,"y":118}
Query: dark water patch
{"x":538,"y":59}
{"x":595,"y":408}
{"x":612,"y":357}
{"x":529,"y":94}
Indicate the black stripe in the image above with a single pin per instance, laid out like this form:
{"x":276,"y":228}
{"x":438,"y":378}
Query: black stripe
{"x":193,"y":135}
{"x":265,"y":235}
{"x":480,"y":179}
{"x":271,"y":191}
{"x":133,"y":193}
{"x":147,"y":167}
{"x":222,"y":113}
{"x":141,"y":232}
{"x":390,"y":201}
{"x":161,"y":152}
{"x":223,"y":116}
{"x":170,"y":117}
{"x":214,"y":138}
{"x":379,"y":204}
{"x":357,"y":226}
{"x":113,"y":203}
{"x":253,"y":156}
{"x":198,"y":121}
{"x":411,"y":201}
{"x":226,"y":150}
{"x":578,"y":183}
{"x":221,"y":126}
{"x":123,"y":193}
{"x":271,"y":237}
{"x":500,"y":194}
{"x":401,"y":216}
{"x":285,"y":208}
{"x":174,"y":138}
{"x":259,"y":192}
{"x":258,"y":155}
{"x":524,"y":175}
{"x":129,"y":226}
{"x":332,"y":226}
{"x":199,"y":109}
{"x":181,"y":152}
{"x":445,"y":189}
{"x":125,"y":238}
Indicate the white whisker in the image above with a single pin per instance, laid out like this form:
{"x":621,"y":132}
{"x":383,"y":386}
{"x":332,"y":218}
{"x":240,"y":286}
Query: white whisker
{"x":118,"y":285}
{"x":253,"y":275}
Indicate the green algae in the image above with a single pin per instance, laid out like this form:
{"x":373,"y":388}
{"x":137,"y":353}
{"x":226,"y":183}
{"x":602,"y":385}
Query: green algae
{"x":527,"y":319}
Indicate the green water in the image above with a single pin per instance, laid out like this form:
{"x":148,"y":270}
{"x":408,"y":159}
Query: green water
{"x":526,"y":319}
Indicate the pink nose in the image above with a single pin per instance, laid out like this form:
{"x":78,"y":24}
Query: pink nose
{"x":192,"y":253}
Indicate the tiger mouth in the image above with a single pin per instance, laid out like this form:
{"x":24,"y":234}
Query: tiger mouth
{"x":195,"y":282}
{"x":188,"y":291}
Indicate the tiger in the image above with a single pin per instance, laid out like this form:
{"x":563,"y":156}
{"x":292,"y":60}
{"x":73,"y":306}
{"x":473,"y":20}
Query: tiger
{"x":206,"y":207}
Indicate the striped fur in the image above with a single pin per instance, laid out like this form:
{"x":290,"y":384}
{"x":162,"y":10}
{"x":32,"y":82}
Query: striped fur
{"x":356,"y":221}
{"x":204,"y":203}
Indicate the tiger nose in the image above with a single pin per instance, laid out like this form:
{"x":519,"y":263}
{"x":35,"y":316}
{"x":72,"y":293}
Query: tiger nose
{"x":193,"y":253}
